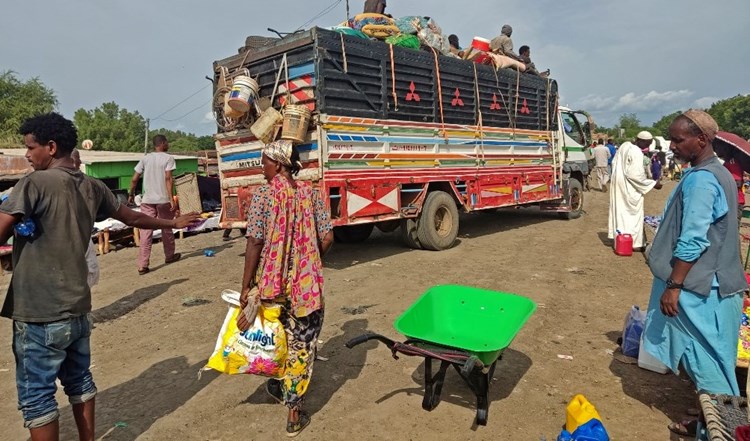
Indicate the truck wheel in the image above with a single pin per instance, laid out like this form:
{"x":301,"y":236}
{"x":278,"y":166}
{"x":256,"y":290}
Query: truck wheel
{"x":409,"y":233}
{"x":575,"y":189}
{"x":437,"y":228}
{"x":352,"y":233}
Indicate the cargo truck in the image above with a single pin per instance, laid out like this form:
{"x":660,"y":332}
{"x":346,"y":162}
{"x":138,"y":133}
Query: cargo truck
{"x":403,"y":138}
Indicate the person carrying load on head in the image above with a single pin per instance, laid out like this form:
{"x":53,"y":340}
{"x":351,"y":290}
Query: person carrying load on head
{"x":288,"y":230}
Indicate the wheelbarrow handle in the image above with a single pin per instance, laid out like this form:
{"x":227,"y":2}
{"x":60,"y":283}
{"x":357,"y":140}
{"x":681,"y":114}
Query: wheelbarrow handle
{"x":367,"y":337}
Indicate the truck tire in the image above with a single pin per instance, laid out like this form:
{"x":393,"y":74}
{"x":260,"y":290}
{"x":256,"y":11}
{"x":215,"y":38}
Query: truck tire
{"x":575,"y":190}
{"x":352,"y":233}
{"x":409,"y":233}
{"x":437,"y":228}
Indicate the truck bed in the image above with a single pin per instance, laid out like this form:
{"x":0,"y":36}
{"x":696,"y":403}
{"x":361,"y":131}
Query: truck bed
{"x":392,"y":124}
{"x":342,"y":75}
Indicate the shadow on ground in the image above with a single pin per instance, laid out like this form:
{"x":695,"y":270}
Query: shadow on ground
{"x":130,"y":302}
{"x":667,"y":393}
{"x":329,"y":376}
{"x":508,"y":373}
{"x":217,"y":249}
{"x":471,"y":225}
{"x":604,"y":239}
{"x":126,"y":411}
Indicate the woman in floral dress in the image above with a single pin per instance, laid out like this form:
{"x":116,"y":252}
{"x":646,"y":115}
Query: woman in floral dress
{"x":288,"y":230}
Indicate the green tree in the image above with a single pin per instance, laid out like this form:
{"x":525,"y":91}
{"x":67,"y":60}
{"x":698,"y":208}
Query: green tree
{"x":661,"y":127}
{"x":180,"y":141}
{"x":629,"y":121}
{"x":733,"y":115}
{"x":631,"y":124}
{"x":111,"y":128}
{"x":20,"y":100}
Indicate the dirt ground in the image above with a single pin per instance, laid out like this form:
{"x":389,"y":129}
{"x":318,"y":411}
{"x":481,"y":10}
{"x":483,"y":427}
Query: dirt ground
{"x":148,"y":347}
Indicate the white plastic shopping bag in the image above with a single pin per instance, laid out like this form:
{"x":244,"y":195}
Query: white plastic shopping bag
{"x":632,"y":330}
{"x":260,"y":350}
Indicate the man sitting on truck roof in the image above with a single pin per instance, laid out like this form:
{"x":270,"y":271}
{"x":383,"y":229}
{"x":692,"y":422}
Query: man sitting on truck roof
{"x":503,"y":44}
{"x":374,"y":7}
{"x":455,"y":46}
{"x":525,"y":52}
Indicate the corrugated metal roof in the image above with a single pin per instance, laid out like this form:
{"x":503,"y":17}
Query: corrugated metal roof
{"x":96,"y":156}
{"x":13,"y":167}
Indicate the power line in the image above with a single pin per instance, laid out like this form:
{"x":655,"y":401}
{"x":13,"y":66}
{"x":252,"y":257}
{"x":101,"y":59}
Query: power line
{"x":197,"y":108}
{"x":173,"y":107}
{"x":321,"y":14}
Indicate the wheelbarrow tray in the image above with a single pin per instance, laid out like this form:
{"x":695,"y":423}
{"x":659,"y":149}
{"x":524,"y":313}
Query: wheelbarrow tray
{"x":479,"y":321}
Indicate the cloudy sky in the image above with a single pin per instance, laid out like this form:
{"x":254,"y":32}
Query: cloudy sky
{"x":650,"y":57}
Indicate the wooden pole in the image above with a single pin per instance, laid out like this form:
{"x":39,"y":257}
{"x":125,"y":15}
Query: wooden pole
{"x":145,"y":137}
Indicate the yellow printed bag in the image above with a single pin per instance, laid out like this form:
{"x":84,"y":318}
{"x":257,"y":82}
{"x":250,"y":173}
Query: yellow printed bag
{"x":261,"y":350}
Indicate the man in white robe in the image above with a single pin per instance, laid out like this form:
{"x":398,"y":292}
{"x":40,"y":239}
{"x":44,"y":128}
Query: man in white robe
{"x":629,"y":186}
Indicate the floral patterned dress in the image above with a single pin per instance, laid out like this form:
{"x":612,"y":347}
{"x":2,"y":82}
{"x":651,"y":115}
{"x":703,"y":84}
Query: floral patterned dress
{"x":291,"y":219}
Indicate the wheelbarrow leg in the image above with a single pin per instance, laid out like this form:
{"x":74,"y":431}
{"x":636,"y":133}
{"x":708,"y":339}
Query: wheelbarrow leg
{"x":479,"y":382}
{"x":433,"y":385}
{"x":483,"y":395}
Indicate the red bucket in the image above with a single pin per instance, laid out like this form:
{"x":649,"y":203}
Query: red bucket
{"x":481,"y":44}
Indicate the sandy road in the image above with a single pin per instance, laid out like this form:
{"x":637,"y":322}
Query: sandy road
{"x":148,"y":347}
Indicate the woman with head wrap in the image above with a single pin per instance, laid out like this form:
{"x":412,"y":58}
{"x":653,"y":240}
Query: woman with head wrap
{"x":288,"y":230}
{"x":694,"y":313}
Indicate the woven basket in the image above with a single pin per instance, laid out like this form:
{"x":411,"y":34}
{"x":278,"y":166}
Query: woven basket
{"x":187,"y":193}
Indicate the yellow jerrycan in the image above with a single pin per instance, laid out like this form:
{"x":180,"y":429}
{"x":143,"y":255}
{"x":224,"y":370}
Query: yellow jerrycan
{"x":579,"y":412}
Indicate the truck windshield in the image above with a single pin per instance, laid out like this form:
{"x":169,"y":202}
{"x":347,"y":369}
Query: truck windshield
{"x":573,"y":128}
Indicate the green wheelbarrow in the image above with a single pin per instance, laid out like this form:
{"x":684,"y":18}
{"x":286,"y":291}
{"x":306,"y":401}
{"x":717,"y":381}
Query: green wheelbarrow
{"x":467,"y":328}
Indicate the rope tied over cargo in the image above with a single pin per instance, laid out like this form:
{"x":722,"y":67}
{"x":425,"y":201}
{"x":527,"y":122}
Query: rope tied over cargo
{"x":343,"y":54}
{"x":480,"y":125}
{"x":393,"y":80}
{"x":440,"y":92}
{"x":282,"y":67}
{"x":502,"y":97}
{"x":515,"y":110}
{"x":242,"y":63}
{"x":546,"y":105}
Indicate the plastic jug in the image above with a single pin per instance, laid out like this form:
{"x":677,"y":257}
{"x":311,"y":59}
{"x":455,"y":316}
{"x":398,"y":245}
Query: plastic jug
{"x":592,"y":431}
{"x":649,"y":362}
{"x":579,"y":412}
{"x":623,"y":244}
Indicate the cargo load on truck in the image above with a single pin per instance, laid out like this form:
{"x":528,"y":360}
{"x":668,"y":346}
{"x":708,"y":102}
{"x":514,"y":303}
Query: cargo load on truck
{"x":396,"y":136}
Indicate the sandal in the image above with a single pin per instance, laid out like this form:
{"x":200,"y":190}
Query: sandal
{"x":174,"y":258}
{"x":294,"y":429}
{"x":686,"y":428}
{"x":142,"y":271}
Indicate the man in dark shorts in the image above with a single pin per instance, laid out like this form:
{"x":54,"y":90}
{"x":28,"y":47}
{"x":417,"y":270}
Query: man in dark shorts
{"x":49,"y":299}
